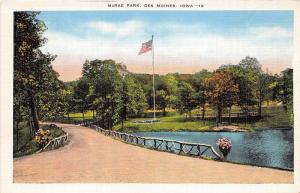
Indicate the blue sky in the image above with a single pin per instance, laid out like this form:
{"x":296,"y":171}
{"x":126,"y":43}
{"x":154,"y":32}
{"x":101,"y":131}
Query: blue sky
{"x":184,"y":41}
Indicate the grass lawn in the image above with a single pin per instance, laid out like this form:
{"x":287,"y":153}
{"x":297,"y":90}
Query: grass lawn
{"x":78,"y":116}
{"x":173,"y":122}
{"x":273,"y":117}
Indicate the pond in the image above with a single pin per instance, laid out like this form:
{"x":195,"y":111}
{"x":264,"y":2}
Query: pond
{"x":265,"y":147}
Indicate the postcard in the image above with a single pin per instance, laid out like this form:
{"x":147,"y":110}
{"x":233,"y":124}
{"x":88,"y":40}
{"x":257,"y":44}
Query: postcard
{"x":123,"y":96}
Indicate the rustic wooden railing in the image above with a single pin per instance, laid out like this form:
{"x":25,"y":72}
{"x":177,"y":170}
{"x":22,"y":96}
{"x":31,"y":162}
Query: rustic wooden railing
{"x":55,"y":143}
{"x":172,"y":146}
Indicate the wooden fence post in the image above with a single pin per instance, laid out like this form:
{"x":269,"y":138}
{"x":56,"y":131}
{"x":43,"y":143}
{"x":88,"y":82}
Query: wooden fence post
{"x":180,"y":148}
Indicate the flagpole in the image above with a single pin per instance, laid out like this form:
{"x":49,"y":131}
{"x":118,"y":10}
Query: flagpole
{"x":153,"y":79}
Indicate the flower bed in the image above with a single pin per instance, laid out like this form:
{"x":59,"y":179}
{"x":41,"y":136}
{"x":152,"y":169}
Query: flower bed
{"x":40,"y":139}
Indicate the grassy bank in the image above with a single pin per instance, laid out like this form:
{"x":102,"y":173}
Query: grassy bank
{"x":169,"y":123}
{"x":272,"y":117}
{"x":31,"y":146}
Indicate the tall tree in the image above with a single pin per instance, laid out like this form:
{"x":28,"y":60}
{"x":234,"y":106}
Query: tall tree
{"x":187,"y":98}
{"x":246,"y":85}
{"x":283,"y":90}
{"x":81,"y":92}
{"x":29,"y":61}
{"x":198,"y":84}
{"x":106,"y":78}
{"x":162,"y":100}
{"x":133,"y":98}
{"x":252,"y":72}
{"x":222,"y":91}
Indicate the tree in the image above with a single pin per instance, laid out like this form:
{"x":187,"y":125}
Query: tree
{"x":264,"y":90}
{"x":162,"y":100}
{"x":68,"y":101}
{"x":166,"y":92}
{"x":283,"y":89}
{"x":171,"y":88}
{"x":29,"y":62}
{"x":187,"y":98}
{"x":221,"y":91}
{"x":105,"y":77}
{"x":198,"y":83}
{"x":246,"y":85}
{"x":133,"y":98}
{"x":251,"y":72}
{"x":81,"y":92}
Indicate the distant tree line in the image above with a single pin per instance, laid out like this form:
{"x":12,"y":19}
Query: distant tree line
{"x":116,"y":94}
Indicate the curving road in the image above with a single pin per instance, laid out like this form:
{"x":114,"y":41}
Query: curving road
{"x":95,"y":158}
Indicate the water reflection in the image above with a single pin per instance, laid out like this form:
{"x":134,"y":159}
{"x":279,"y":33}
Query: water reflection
{"x":273,"y":148}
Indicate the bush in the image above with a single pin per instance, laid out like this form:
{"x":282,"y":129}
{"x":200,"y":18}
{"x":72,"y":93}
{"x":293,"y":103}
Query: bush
{"x":41,"y":138}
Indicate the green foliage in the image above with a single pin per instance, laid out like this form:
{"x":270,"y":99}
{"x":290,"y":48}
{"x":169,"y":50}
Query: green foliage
{"x":221,"y":91}
{"x":106,"y":83}
{"x":283,"y":89}
{"x":187,"y":98}
{"x":246,"y":85}
{"x":80,"y":96}
{"x":133,"y":98}
{"x":198,"y":82}
{"x":37,"y":90}
{"x":161,"y":99}
{"x":167,"y":92}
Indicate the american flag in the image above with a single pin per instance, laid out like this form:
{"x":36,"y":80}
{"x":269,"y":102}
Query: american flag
{"x":147,"y":46}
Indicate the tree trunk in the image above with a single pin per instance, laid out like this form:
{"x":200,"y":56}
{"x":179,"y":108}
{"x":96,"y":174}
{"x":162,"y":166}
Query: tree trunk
{"x":82,"y":114}
{"x":260,"y":103}
{"x":190,"y":114}
{"x":219,"y":116}
{"x":17,"y":133}
{"x":93,"y":114}
{"x":285,"y":107}
{"x":230,"y":115}
{"x":164,"y":111}
{"x":110,"y":124}
{"x":259,"y":108}
{"x":124,"y":112}
{"x":203,"y":111}
{"x":285,"y":100}
{"x":17,"y":118}
{"x":33,"y":111}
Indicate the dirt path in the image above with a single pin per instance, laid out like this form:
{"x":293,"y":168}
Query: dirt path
{"x":95,"y":158}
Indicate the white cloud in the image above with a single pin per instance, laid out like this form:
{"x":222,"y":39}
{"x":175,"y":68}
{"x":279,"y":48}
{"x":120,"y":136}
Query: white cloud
{"x":65,"y":44}
{"x":119,"y":29}
{"x":271,"y":32}
{"x":180,"y":48}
